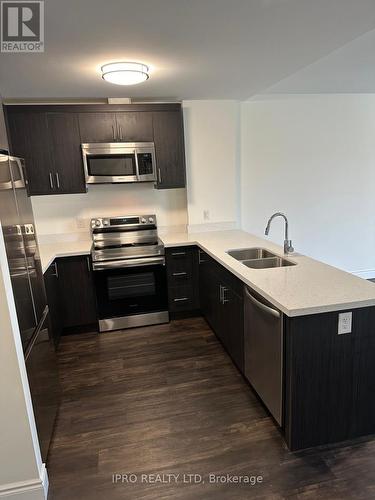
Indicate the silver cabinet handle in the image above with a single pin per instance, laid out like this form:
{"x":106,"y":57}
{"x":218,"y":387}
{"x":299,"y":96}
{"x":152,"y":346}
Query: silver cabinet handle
{"x":177,"y":254}
{"x":180,"y":274}
{"x":88,"y":264}
{"x":225,"y":300}
{"x":56,"y":273}
{"x":263,"y":307}
{"x":159,"y":175}
{"x":113,"y":133}
{"x":120,"y":133}
{"x":221,"y":294}
{"x":200,"y":260}
{"x":51,"y":181}
{"x":182,"y":299}
{"x":57,"y":180}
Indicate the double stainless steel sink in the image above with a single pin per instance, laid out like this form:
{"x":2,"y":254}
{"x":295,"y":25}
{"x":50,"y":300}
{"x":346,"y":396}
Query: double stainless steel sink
{"x":259,"y":258}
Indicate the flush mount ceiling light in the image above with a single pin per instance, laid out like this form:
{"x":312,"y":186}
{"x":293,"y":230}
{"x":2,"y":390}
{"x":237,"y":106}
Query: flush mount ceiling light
{"x":125,"y":73}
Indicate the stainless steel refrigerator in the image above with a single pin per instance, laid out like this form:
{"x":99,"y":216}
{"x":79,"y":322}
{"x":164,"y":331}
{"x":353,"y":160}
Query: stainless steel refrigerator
{"x":17,"y":221}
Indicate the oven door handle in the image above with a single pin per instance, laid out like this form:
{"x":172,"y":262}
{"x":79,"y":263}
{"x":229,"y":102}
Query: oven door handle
{"x":116,"y":264}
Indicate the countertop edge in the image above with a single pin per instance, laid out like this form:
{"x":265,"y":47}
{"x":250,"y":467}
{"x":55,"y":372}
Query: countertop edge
{"x":291,"y":313}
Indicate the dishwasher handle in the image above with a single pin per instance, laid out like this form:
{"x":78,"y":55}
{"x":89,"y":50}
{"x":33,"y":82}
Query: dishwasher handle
{"x":266,"y":309}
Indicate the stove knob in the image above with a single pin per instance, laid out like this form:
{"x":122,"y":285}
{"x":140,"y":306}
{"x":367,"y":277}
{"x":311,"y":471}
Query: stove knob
{"x":97,"y":223}
{"x":151,"y":220}
{"x":143,"y":220}
{"x":106,"y":222}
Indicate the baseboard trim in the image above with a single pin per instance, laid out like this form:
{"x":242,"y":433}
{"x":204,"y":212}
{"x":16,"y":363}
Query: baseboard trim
{"x":34,"y":489}
{"x":366,"y":274}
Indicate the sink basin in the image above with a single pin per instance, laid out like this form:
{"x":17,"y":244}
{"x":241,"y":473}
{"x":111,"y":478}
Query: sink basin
{"x":268,"y":263}
{"x":250,"y":253}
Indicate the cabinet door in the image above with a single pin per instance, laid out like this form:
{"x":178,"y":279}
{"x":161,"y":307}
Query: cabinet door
{"x":231,"y":325}
{"x":135,"y":126}
{"x":97,"y":127}
{"x":77,"y":291}
{"x":28,"y":137}
{"x":209,"y":291}
{"x":169,"y":149}
{"x":51,"y":280}
{"x":65,"y":146}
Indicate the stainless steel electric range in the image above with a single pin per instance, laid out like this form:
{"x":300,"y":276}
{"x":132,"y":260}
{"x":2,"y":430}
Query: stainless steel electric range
{"x":129,"y":272}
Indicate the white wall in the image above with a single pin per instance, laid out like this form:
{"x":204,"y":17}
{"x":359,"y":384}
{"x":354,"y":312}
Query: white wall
{"x":212,"y":162}
{"x":58,"y":214}
{"x":313,"y":157}
{"x":21,"y":469}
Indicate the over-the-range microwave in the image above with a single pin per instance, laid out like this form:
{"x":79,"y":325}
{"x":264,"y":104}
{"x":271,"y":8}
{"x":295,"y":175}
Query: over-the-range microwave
{"x":118,"y":162}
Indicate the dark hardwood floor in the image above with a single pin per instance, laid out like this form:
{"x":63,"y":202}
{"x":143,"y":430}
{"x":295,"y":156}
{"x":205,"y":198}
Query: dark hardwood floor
{"x":168,"y":400}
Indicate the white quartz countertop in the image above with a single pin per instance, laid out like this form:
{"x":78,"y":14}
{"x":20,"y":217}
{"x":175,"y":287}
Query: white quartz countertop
{"x":50,"y":251}
{"x":310,"y":287}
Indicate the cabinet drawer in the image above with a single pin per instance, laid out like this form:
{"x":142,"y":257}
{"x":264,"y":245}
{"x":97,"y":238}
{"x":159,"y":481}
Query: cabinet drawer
{"x":179,"y":260}
{"x":180,"y":278}
{"x":181,"y":298}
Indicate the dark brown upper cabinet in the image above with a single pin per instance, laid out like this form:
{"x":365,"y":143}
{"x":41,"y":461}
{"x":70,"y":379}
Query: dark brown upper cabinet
{"x":49,"y":137}
{"x":97,"y":127}
{"x":65,"y":150}
{"x":129,"y":126}
{"x":169,"y":149}
{"x":135,"y":126}
{"x":50,"y":144}
{"x":27,"y":134}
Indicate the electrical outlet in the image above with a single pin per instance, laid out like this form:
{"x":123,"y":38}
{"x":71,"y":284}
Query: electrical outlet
{"x":345,"y":323}
{"x":206,"y":214}
{"x":81,"y":223}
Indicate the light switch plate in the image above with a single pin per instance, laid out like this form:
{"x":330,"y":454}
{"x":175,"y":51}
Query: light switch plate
{"x":345,"y":323}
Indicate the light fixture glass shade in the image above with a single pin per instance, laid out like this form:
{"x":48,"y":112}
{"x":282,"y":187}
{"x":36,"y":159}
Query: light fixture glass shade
{"x":125,"y":73}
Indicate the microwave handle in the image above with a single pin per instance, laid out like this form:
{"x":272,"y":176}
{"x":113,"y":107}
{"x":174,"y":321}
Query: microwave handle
{"x":136,"y":164}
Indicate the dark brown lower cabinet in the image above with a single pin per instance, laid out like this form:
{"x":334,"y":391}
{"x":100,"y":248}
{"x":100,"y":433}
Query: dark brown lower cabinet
{"x":51,"y":281}
{"x":77,"y":291}
{"x":329,"y":379}
{"x":182,"y":275}
{"x":221,"y":302}
{"x":70,"y":294}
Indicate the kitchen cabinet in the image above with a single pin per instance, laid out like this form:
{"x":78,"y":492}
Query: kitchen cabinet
{"x":51,"y":280}
{"x":77,"y":293}
{"x":169,"y":149}
{"x":329,"y":388}
{"x":50,"y":144}
{"x":70,"y":294}
{"x":65,"y":152}
{"x":49,"y":137}
{"x":28,"y":133}
{"x":135,"y":126}
{"x":129,"y":126}
{"x":222,"y":306}
{"x":97,"y":127}
{"x":182,"y":275}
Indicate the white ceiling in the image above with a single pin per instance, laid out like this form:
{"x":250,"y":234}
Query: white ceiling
{"x":199,"y":49}
{"x":350,"y":69}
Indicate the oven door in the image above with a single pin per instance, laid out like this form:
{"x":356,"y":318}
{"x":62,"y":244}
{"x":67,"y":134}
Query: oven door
{"x":128,"y":291}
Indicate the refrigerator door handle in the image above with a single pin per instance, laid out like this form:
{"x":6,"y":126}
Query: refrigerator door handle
{"x":19,"y":183}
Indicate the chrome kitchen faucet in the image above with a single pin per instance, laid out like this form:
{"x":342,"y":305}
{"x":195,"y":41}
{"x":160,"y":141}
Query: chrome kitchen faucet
{"x":288,"y":247}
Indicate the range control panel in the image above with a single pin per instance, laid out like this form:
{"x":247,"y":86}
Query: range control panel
{"x":129,"y":221}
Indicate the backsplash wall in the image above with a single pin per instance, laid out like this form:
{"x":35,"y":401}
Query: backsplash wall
{"x":67,"y":214}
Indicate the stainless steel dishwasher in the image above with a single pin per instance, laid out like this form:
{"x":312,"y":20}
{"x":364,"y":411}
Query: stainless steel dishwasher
{"x":264,"y":351}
